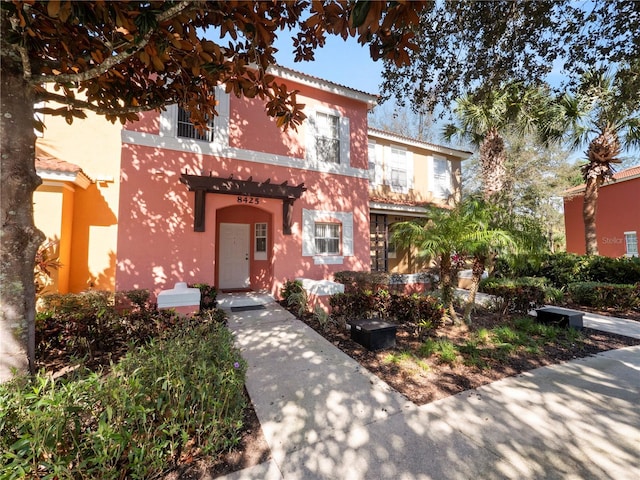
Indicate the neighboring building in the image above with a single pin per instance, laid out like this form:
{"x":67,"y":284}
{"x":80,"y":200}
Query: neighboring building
{"x":405,"y":175}
{"x":246,"y":205}
{"x":617,"y":217}
{"x":77,"y":205}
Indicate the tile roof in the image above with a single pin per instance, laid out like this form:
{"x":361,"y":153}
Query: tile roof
{"x":420,"y":143}
{"x":52,"y":164}
{"x":323,"y":84}
{"x":622,"y":175}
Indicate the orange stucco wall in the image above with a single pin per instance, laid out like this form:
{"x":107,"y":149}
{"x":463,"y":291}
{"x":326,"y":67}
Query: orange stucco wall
{"x":53,"y":214}
{"x":94,"y":145}
{"x":618,"y":212}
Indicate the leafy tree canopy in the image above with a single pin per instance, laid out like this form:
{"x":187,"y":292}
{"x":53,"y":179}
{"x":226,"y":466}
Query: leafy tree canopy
{"x":466,"y":45}
{"x":120,"y":58}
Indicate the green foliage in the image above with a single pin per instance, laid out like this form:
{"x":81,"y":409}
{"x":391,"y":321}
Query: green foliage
{"x":564,"y":268}
{"x":83,"y":323}
{"x":443,"y":348}
{"x":322,"y":317}
{"x":208,"y":295}
{"x":299,"y":302}
{"x":289,"y":288}
{"x":604,"y":295}
{"x":520,"y":335}
{"x":421,"y":313}
{"x":519,"y":295}
{"x":485,"y":43}
{"x":184,"y":391}
{"x":354,"y":281}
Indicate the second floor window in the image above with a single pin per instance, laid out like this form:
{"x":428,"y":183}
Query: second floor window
{"x":327,"y":238}
{"x":186,"y":129}
{"x":441,"y":178}
{"x":327,"y":137}
{"x":398,"y":178}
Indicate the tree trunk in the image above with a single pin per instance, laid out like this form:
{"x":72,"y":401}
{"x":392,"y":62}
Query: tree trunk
{"x":19,"y":237}
{"x":589,"y":208}
{"x":447,"y":287}
{"x":476,"y":275}
{"x":492,"y":163}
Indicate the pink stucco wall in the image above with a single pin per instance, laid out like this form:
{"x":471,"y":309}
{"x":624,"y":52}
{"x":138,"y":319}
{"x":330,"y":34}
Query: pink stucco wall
{"x":618,"y":212}
{"x":157,"y":246}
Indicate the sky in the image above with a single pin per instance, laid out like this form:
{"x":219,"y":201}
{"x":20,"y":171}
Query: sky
{"x":346,"y":63}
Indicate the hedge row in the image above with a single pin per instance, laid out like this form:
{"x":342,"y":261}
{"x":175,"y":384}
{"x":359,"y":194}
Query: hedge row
{"x":519,"y":295}
{"x":564,"y":268}
{"x":605,"y":295}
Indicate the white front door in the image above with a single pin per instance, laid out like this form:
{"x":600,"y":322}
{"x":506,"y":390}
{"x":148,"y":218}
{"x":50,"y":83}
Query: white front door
{"x":233,"y":260}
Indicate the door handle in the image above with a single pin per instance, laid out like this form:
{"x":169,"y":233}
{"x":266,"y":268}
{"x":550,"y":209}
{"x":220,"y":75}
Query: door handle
{"x":246,"y":257}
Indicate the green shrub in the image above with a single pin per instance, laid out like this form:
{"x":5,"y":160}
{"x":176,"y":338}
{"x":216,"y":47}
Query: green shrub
{"x":603,"y":295}
{"x":84,"y":323}
{"x":184,"y":391}
{"x":359,"y":281}
{"x":289,"y":288}
{"x":564,"y":268}
{"x":519,"y":295}
{"x":208,"y":295}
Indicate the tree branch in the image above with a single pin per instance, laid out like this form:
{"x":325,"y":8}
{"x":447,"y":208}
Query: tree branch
{"x":116,"y":59}
{"x":74,"y":102}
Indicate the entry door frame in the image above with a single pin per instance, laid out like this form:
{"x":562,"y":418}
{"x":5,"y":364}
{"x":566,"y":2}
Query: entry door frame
{"x":234,"y":256}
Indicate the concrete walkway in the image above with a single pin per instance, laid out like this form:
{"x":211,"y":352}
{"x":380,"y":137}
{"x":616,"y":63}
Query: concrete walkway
{"x":325,"y":417}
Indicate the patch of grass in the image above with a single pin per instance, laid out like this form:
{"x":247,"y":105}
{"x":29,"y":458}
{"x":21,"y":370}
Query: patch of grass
{"x":443,"y":348}
{"x":398,"y":357}
{"x":408,"y":360}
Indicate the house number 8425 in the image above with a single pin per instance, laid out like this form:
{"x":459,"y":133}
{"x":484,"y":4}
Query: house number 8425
{"x":248,"y":199}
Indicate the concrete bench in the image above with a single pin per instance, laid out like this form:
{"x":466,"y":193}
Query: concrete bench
{"x":373,"y":333}
{"x":560,"y":316}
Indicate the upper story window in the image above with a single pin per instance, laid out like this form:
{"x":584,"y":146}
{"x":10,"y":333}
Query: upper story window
{"x":441,"y":178}
{"x":175,"y":123}
{"x":398,"y":177}
{"x":631,"y":241}
{"x":186,"y":129}
{"x":328,"y":137}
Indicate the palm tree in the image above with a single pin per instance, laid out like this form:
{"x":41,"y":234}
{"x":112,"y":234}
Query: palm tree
{"x":483,"y":121}
{"x":595,"y":116}
{"x":466,"y":229}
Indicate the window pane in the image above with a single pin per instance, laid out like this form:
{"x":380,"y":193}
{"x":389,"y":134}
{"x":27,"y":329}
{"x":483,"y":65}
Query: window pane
{"x":631,"y":239}
{"x":327,"y":238}
{"x":186,"y":129}
{"x":328,"y":138}
{"x":261,"y":244}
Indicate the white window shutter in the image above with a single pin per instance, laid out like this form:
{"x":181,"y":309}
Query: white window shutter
{"x":308,"y":235}
{"x":347,"y":235}
{"x":345,"y":141}
{"x":409,"y":158}
{"x":386,"y":169}
{"x":379,"y":172}
{"x":310,"y":133}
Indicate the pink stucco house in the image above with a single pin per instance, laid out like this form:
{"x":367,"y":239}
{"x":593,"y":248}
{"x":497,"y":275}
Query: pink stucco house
{"x":247,"y":206}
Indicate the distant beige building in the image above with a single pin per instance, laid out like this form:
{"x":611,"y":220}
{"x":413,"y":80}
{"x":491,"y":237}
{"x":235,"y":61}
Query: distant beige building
{"x":406,"y":175}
